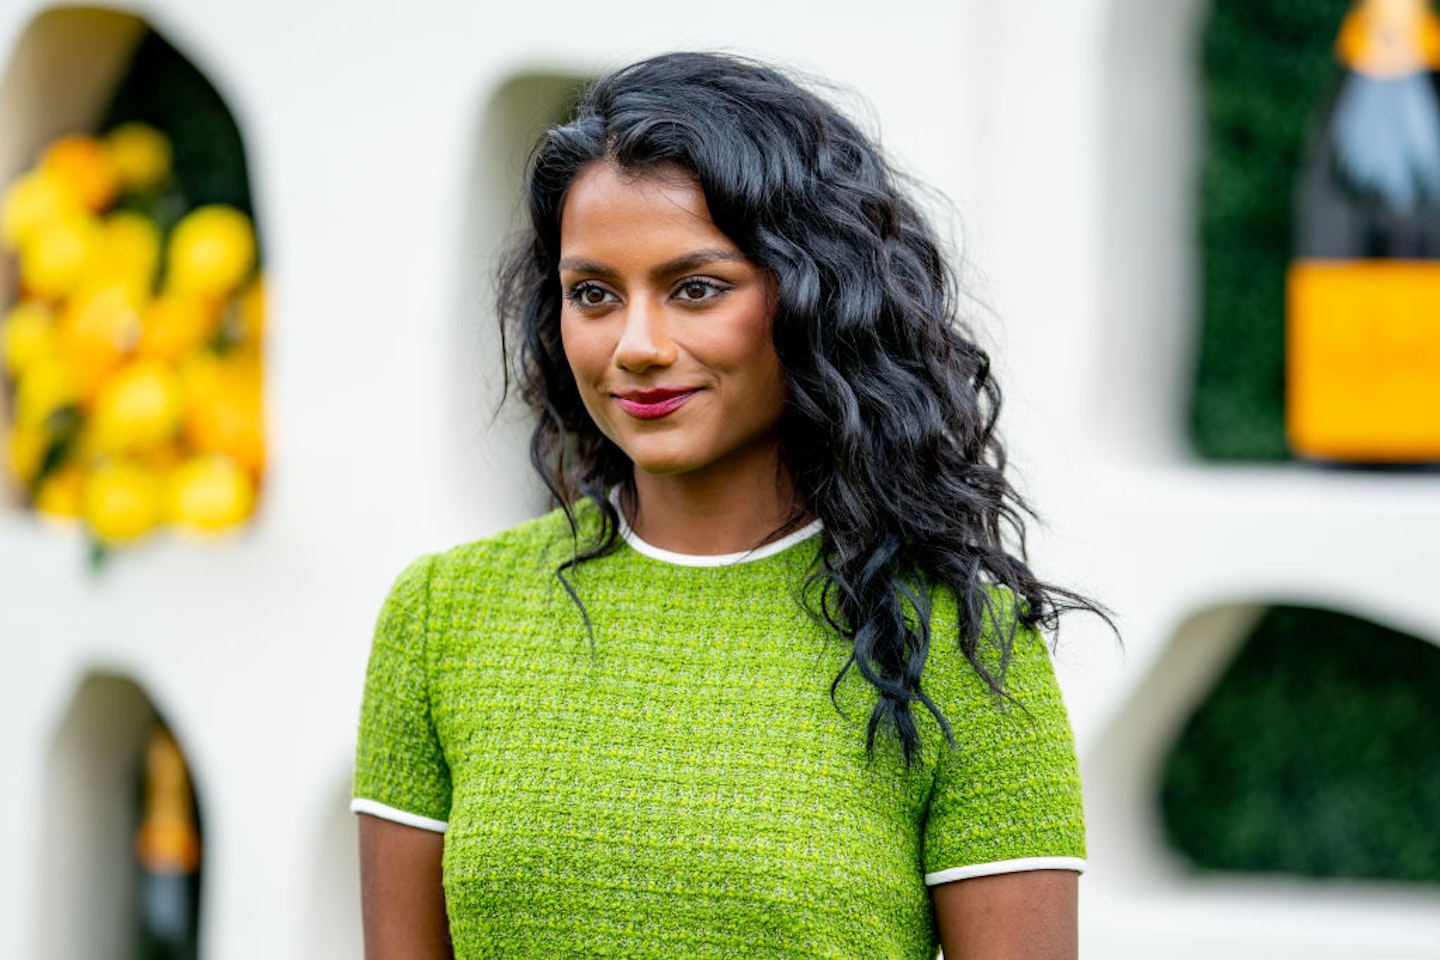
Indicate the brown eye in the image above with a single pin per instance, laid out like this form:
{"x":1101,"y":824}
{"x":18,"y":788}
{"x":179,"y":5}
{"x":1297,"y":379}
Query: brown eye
{"x":697,"y":291}
{"x":589,"y":295}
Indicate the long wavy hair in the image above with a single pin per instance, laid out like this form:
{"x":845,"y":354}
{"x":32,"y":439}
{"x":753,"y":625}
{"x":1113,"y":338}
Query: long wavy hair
{"x":889,"y":431}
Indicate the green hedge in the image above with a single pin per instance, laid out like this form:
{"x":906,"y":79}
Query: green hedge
{"x":1269,"y":68}
{"x":1317,"y":753}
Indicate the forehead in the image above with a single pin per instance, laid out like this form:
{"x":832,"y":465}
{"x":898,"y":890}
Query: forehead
{"x":606,"y":206}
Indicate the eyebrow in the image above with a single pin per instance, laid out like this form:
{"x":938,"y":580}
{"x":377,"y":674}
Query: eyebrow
{"x":686,"y":261}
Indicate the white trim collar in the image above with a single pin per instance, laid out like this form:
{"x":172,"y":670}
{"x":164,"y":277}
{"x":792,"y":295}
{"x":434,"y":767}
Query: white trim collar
{"x":717,"y":559}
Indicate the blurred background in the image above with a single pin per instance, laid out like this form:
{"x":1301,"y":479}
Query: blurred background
{"x":250,"y":371}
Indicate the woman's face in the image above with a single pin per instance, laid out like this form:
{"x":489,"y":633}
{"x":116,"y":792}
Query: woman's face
{"x":666,"y":326}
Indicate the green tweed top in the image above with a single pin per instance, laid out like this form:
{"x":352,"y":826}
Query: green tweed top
{"x":686,"y":787}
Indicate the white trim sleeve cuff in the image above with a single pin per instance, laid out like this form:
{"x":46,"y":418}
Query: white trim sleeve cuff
{"x":376,"y":809}
{"x":1004,"y":866}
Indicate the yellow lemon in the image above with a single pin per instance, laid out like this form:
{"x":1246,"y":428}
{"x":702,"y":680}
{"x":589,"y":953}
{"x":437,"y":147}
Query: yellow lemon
{"x":57,"y":254}
{"x":223,"y":408}
{"x":98,"y":329}
{"x":209,"y":494}
{"x":83,"y":163}
{"x":27,"y":334}
{"x":175,"y":323}
{"x":211,"y":251}
{"x":121,"y":501}
{"x":166,"y":458}
{"x":45,"y":387}
{"x":83,"y":448}
{"x":60,"y":493}
{"x":137,"y":409}
{"x":25,"y":450}
{"x":128,"y":252}
{"x":141,"y":155}
{"x":33,"y":201}
{"x":245,"y":319}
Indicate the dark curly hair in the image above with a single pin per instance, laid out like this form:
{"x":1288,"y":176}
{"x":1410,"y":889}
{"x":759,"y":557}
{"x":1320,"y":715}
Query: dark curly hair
{"x":889,"y":430}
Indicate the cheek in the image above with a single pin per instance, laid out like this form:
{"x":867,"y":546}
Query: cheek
{"x":757,"y":354}
{"x":777,"y":389}
{"x":580,"y":351}
{"x":743,"y":337}
{"x":587,"y":359}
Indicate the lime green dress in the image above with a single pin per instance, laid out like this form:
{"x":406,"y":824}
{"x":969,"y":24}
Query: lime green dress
{"x":685,"y":786}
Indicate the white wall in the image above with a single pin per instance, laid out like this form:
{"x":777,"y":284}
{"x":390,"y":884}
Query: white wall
{"x":1065,"y":131}
{"x":1085,"y":169}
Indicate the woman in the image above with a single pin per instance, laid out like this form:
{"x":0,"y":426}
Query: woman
{"x":770,"y":683}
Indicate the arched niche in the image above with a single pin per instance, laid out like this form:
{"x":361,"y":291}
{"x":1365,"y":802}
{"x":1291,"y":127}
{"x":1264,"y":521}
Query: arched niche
{"x":86,"y":881}
{"x":1207,"y":106}
{"x":1149,"y":161}
{"x":1127,"y":769}
{"x":495,"y":485}
{"x":84,"y":69}
{"x":61,"y":76}
{"x":1316,"y":753}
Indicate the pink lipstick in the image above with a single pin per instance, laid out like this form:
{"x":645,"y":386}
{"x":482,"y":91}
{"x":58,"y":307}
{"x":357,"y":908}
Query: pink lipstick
{"x":653,"y":404}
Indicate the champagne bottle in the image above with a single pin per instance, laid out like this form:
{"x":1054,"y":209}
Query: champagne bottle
{"x":167,"y":847}
{"x":1363,"y":291}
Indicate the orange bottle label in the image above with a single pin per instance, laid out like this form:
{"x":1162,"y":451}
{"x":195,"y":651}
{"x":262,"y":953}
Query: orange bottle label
{"x":1363,"y":360}
{"x":167,"y":842}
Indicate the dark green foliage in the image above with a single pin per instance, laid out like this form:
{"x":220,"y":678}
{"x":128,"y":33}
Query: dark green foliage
{"x":164,"y":89}
{"x":1317,"y":753}
{"x":1269,"y":69}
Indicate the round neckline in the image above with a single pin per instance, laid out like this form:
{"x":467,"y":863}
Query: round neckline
{"x":717,"y":559}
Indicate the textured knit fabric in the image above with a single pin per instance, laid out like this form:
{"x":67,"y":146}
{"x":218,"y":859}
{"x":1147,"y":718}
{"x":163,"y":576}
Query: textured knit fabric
{"x":685,"y":786}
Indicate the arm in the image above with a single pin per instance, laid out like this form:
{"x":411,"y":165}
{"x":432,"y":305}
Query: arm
{"x":1031,"y":915}
{"x":401,"y":894}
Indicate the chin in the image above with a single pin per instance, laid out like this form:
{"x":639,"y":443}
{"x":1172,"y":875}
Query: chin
{"x":662,"y":467}
{"x":660,"y":459}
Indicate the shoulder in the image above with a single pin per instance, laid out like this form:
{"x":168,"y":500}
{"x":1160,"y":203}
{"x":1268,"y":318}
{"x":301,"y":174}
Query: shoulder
{"x":506,"y":567}
{"x":1007,"y":789}
{"x":535,"y":545}
{"x":474,"y":582}
{"x":1013,"y":654}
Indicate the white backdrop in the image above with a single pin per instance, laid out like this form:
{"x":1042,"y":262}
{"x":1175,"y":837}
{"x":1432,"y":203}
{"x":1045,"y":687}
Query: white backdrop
{"x":383,"y":143}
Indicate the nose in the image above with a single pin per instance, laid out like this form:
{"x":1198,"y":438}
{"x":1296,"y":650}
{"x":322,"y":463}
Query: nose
{"x":645,"y":340}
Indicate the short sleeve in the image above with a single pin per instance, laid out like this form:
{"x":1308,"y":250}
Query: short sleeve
{"x":1006,"y":796}
{"x":400,"y":769}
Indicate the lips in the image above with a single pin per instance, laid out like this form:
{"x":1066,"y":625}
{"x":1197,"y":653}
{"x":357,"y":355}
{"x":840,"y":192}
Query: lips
{"x":653,"y":404}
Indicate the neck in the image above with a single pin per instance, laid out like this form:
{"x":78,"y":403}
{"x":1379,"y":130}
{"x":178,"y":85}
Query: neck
{"x":711,"y":512}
